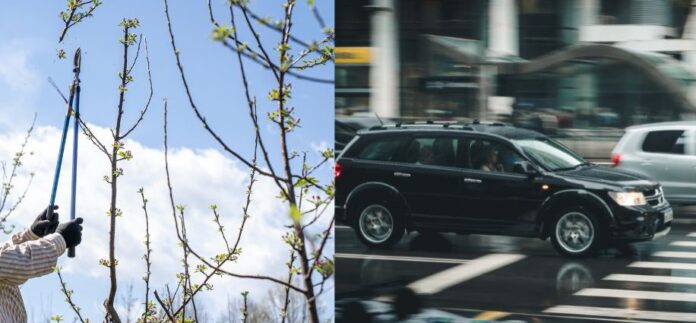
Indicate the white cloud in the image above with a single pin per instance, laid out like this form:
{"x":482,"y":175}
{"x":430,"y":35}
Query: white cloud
{"x":200,"y":178}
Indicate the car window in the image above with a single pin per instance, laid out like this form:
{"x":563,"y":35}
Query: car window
{"x":550,"y":154}
{"x":665,"y":142}
{"x":381,"y":149}
{"x":439,"y":151}
{"x":492,"y":156}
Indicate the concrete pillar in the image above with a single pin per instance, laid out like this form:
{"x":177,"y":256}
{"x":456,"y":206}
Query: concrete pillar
{"x":651,"y":12}
{"x":689,"y":57}
{"x":503,"y":29}
{"x":578,"y":92}
{"x":384,"y":68}
{"x":575,"y":15}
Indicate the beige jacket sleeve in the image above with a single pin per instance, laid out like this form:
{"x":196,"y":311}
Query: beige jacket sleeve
{"x":27,"y":256}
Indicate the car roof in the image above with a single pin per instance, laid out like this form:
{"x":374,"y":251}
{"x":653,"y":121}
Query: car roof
{"x":492,"y":128}
{"x":663,"y":125}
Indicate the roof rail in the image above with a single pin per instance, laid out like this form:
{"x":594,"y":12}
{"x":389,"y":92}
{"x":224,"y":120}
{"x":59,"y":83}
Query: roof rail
{"x":427,"y":123}
{"x":377,"y":127}
{"x":487,"y":123}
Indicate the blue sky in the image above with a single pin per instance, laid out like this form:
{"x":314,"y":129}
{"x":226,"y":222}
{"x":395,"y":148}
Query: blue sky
{"x":28,"y":58}
{"x":212,"y":69}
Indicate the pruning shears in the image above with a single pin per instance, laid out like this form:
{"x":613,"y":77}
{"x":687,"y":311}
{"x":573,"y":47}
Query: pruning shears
{"x":73,"y":110}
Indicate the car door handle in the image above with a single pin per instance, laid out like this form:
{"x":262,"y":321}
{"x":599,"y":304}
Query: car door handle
{"x":472,"y":180}
{"x":399,"y":174}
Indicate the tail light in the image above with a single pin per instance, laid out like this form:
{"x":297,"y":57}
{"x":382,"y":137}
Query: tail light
{"x":338,"y":169}
{"x":616,"y":159}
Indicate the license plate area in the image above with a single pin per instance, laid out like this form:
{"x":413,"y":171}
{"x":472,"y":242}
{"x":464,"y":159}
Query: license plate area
{"x":668,"y":216}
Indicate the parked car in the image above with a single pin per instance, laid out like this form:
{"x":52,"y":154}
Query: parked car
{"x":490,"y":178}
{"x":665,"y":152}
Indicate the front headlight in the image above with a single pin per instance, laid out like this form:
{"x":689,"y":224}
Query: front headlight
{"x":628,"y":198}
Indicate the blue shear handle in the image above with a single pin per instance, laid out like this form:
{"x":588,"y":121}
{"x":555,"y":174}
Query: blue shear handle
{"x":59,"y":163}
{"x":76,"y":134}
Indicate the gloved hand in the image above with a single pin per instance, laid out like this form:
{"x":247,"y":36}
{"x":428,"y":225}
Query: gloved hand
{"x":71,"y":232}
{"x":43,"y":226}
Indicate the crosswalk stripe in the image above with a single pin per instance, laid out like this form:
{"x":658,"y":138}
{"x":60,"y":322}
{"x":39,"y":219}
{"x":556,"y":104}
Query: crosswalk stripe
{"x":692,"y":234}
{"x":683,"y":243}
{"x":675,"y":254}
{"x":638,"y":294}
{"x":663,"y":265}
{"x":652,"y":279}
{"x":459,"y":274}
{"x":400,"y":258}
{"x":622,"y":313}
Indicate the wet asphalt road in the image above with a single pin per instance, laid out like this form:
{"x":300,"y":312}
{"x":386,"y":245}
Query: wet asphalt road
{"x":649,"y":281}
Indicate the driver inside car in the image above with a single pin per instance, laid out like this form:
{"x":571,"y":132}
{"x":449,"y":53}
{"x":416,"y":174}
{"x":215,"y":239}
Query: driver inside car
{"x":490,"y":160}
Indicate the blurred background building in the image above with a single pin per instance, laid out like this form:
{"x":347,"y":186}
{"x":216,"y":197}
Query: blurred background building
{"x":580,"y":70}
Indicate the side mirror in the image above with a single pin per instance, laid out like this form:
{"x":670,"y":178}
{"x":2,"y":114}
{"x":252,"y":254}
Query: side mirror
{"x":524,"y":167}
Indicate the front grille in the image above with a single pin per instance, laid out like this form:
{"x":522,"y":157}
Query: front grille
{"x":654,"y":196}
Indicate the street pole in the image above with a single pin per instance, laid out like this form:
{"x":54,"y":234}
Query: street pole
{"x":384,"y":67}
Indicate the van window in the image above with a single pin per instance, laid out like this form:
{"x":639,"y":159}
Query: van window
{"x":665,"y":142}
{"x":381,"y":149}
{"x":492,"y":156}
{"x":439,"y":151}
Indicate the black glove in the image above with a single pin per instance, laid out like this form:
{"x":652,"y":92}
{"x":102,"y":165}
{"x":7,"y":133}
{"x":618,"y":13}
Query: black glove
{"x":71,"y":232}
{"x":43,"y":226}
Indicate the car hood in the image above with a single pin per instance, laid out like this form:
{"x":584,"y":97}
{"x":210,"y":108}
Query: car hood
{"x":610,"y":176}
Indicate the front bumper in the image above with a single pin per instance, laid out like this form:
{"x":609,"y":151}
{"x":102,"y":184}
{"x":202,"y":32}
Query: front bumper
{"x":643,"y":223}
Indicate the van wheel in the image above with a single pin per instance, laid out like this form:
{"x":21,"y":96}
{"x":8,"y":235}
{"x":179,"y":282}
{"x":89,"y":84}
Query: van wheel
{"x":576,"y":233}
{"x":378,"y":225}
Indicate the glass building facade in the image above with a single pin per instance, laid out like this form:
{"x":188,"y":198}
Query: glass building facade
{"x":551,"y":65}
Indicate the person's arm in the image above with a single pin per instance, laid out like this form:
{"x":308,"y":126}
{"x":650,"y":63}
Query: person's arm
{"x":31,"y":258}
{"x":24,"y":236}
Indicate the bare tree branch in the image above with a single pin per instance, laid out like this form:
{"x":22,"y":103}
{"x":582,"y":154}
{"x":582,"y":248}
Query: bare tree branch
{"x":8,"y":184}
{"x":199,"y":115}
{"x":73,"y":17}
{"x":68,"y":296}
{"x":252,"y":107}
{"x":147,"y":257}
{"x":149,"y":98}
{"x":264,"y":22}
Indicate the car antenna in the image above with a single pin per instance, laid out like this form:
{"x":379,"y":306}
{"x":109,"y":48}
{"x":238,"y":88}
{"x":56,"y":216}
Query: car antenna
{"x":380,"y":119}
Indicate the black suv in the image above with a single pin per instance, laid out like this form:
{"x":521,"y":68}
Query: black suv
{"x":490,"y":178}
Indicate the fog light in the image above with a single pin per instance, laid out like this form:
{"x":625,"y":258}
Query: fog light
{"x":640,"y":218}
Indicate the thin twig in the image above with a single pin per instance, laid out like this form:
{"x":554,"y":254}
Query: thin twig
{"x":317,"y":16}
{"x":197,"y":112}
{"x":163,"y":305}
{"x":68,"y":296}
{"x":286,"y":302}
{"x":252,"y":107}
{"x":149,"y":98}
{"x":263,"y":22}
{"x":8,"y":183}
{"x":148,"y":261}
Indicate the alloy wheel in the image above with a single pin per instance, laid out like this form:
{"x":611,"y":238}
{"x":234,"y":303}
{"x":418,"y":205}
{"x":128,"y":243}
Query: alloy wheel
{"x":376,"y":223}
{"x":575,"y":232}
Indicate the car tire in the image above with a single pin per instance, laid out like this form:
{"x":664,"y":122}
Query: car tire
{"x":378,"y":224}
{"x":576,"y":233}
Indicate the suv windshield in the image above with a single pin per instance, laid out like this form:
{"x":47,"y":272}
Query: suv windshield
{"x":550,"y":154}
